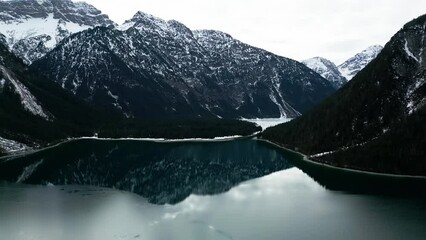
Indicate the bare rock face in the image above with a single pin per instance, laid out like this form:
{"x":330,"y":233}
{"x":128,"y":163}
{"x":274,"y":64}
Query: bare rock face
{"x":340,"y":75}
{"x":356,"y":63}
{"x":32,"y":28}
{"x":327,"y":70}
{"x":149,"y":67}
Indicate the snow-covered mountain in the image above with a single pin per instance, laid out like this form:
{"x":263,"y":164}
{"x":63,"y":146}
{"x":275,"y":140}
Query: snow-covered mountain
{"x":340,"y":75}
{"x":356,"y":63}
{"x":34,"y":27}
{"x":149,"y":67}
{"x":27,"y":99}
{"x":327,"y":70}
{"x":377,"y":121}
{"x":10,"y":82}
{"x":35,"y":111}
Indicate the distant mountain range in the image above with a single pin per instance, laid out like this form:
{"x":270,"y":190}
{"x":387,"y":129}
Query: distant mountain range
{"x":376,"y":122}
{"x":88,"y":75}
{"x":340,"y":75}
{"x":353,"y":65}
{"x":327,"y":70}
{"x":151,"y":68}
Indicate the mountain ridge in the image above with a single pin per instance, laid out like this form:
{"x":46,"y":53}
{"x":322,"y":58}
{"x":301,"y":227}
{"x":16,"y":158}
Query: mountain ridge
{"x":353,"y":65}
{"x":376,"y":121}
{"x":35,"y":111}
{"x":327,"y":70}
{"x":340,"y":75}
{"x":33,"y":28}
{"x":241,"y":81}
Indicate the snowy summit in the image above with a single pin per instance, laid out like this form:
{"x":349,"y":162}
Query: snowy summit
{"x":34,"y":27}
{"x":327,"y":70}
{"x":356,"y":63}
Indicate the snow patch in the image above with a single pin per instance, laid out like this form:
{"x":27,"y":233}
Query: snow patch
{"x":112,"y":95}
{"x":50,"y":32}
{"x":346,"y":73}
{"x":41,"y":2}
{"x":408,"y":52}
{"x":323,"y":154}
{"x":342,"y":148}
{"x":265,"y":123}
{"x":411,"y":105}
{"x":166,"y":140}
{"x":353,"y":65}
{"x":125,"y":26}
{"x":31,"y":27}
{"x":11,"y":146}
{"x":29,"y":102}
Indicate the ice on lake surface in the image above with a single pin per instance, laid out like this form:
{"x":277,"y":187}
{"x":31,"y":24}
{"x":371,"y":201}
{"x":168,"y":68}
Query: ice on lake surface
{"x":268,"y":122}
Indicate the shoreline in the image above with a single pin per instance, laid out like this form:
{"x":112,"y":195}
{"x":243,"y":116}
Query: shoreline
{"x":9,"y":157}
{"x":306,"y":159}
{"x":212,"y":140}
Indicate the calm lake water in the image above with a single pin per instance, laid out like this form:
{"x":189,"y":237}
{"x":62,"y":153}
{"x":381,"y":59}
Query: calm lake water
{"x":242,"y":189}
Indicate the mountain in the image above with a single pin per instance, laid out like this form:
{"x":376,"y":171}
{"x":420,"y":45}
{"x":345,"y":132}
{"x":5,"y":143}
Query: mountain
{"x":353,"y":65}
{"x":376,"y":121}
{"x":327,"y":70}
{"x":340,"y":75}
{"x":152,"y":68}
{"x":34,"y":27}
{"x":35,"y":111}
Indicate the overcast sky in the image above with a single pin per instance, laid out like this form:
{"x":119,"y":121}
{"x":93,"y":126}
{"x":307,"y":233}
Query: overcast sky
{"x":299,"y":29}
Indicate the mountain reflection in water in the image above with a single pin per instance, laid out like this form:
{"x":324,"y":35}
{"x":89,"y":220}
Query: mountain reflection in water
{"x":161,"y":172}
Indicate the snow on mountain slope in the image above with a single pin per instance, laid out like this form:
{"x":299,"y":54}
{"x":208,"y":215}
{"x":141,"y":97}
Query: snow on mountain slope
{"x":32,"y":28}
{"x":327,"y":70}
{"x":11,"y":146}
{"x":180,"y":72}
{"x":380,"y":114}
{"x":353,"y":65}
{"x":28,"y":101}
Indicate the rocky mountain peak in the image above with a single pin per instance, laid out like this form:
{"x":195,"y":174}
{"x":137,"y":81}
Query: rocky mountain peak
{"x":213,"y":35}
{"x":379,"y":115}
{"x":33,"y":27}
{"x":180,"y":72}
{"x":139,"y":15}
{"x":356,"y":63}
{"x":144,"y":21}
{"x":327,"y":70}
{"x":76,"y":12}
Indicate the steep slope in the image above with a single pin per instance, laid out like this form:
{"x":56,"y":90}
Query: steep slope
{"x":32,"y":28}
{"x":327,"y":70}
{"x":376,"y":121}
{"x":260,"y":80}
{"x":151,"y":68}
{"x":35,"y":111}
{"x":353,"y":65}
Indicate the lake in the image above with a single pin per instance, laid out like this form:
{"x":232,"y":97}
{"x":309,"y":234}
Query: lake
{"x":242,"y":189}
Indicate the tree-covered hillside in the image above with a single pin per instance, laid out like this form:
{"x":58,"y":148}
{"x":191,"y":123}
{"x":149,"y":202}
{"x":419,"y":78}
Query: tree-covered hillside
{"x":376,"y":121}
